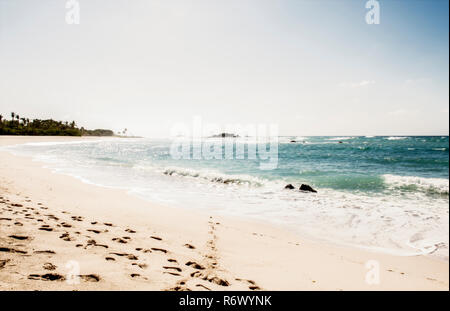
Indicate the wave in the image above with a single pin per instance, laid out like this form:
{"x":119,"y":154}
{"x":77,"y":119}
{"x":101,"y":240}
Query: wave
{"x":414,"y":183}
{"x":57,"y":143}
{"x":396,"y":138}
{"x":341,"y":138}
{"x":216,"y":177}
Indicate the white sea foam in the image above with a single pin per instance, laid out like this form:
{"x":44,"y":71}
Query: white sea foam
{"x":56,"y":143}
{"x":341,"y":138}
{"x":214,"y":176}
{"x":434,"y":185}
{"x":396,"y":138}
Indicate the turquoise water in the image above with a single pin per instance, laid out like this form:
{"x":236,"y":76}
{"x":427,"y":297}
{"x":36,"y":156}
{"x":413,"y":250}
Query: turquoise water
{"x":345,"y":163}
{"x":383,"y":193}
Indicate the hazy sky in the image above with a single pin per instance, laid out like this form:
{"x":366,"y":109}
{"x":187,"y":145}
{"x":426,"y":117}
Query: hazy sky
{"x":313,"y":67}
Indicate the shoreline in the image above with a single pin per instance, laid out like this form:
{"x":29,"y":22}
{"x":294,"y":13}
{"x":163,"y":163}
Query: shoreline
{"x":293,"y":228}
{"x":235,"y":254}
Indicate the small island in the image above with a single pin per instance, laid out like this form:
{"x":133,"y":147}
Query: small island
{"x":36,"y":127}
{"x":224,"y":135}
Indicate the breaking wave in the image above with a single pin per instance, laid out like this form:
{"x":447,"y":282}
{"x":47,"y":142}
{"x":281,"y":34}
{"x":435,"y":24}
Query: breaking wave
{"x":413,"y":183}
{"x":216,"y":177}
{"x":396,"y":138}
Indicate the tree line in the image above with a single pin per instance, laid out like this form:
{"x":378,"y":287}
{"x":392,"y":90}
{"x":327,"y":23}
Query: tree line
{"x":23,"y":126}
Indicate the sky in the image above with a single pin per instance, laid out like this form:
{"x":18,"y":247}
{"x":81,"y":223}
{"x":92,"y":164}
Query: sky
{"x":313,"y":67}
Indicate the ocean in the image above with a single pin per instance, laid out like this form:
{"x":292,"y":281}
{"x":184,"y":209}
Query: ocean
{"x":387,"y":194}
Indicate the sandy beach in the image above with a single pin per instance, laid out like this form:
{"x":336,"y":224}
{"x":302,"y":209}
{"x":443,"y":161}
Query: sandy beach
{"x":58,"y":233}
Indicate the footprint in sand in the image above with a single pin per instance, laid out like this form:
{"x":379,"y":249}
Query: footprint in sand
{"x":66,"y":237}
{"x":89,"y":277}
{"x":49,"y":266}
{"x":94,"y":231}
{"x":211,"y":279}
{"x":159,"y":250}
{"x":12,"y":250}
{"x":172,"y":268}
{"x":140,"y":265}
{"x":47,"y":252}
{"x":194,"y":265}
{"x":94,"y":243}
{"x":138,"y":276}
{"x":19,"y":237}
{"x":129,"y":256}
{"x":46,"y":228}
{"x":3,"y":263}
{"x":119,"y":240}
{"x":59,"y":277}
{"x":53,"y":217}
{"x":47,"y":277}
{"x":172,"y":273}
{"x":254,"y":287}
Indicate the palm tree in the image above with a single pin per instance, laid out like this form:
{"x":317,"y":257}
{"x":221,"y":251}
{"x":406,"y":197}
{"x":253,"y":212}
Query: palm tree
{"x":13,"y":115}
{"x":1,"y":117}
{"x":23,"y":121}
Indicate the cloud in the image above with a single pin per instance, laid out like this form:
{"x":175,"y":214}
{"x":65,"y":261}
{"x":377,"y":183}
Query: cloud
{"x":357,"y":84}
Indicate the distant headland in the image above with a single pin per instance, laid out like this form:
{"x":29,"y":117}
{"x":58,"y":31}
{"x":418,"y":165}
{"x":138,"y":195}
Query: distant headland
{"x":23,"y":126}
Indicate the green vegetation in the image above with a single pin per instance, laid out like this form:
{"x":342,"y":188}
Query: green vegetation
{"x":36,"y":127}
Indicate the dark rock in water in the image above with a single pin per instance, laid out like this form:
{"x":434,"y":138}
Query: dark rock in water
{"x":289,"y":187}
{"x":308,"y":188}
{"x":293,"y":141}
{"x":341,"y":142}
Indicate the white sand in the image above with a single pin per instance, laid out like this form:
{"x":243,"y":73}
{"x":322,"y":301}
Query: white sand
{"x":229,"y":253}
